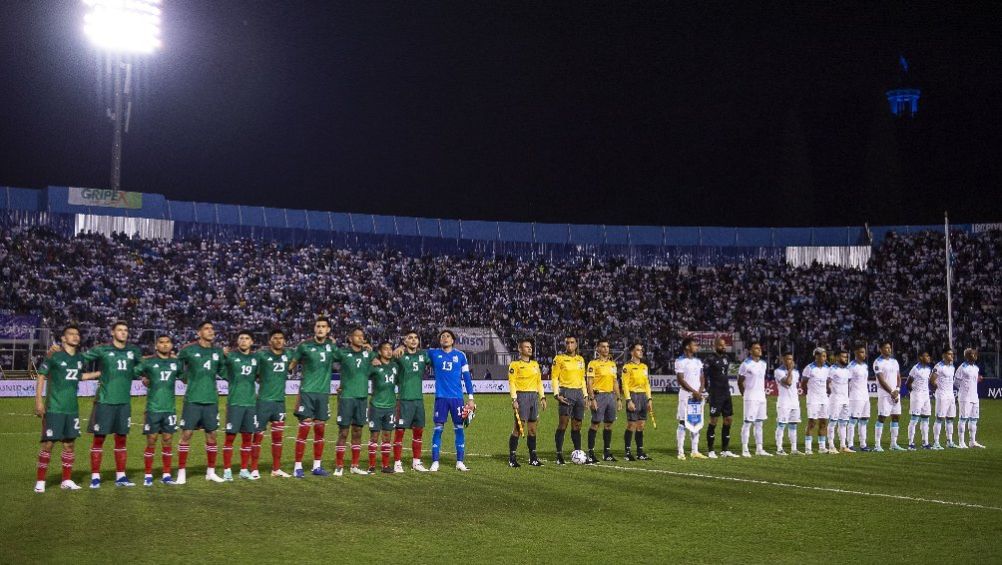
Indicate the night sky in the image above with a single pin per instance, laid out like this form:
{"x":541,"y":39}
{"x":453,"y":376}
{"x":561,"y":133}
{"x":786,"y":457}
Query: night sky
{"x":586,"y":112}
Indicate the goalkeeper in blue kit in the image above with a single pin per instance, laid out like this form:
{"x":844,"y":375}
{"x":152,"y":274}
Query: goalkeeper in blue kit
{"x":452,"y":372}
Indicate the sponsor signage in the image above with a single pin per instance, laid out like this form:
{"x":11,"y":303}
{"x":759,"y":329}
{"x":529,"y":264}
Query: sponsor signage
{"x":105,"y":197}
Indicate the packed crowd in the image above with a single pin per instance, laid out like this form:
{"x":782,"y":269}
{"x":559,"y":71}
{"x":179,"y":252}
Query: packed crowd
{"x":258,"y":285}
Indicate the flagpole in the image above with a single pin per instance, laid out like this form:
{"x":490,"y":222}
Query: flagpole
{"x":949,"y":297}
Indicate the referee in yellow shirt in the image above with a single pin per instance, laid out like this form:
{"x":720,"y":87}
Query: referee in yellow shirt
{"x":568,"y":379}
{"x":637,"y":393}
{"x":525,"y":383}
{"x":603,"y":389}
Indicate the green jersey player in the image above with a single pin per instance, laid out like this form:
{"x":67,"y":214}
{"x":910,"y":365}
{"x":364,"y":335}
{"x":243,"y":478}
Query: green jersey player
{"x":201,"y":366}
{"x":274,"y":372}
{"x":355,"y":361}
{"x":112,"y":412}
{"x":242,"y":371}
{"x":414,"y":363}
{"x":59,"y":376}
{"x":383,"y":405}
{"x":159,"y":374}
{"x":313,"y":402}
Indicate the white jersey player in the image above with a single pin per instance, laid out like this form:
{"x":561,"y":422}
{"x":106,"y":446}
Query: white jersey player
{"x":815,"y":379}
{"x":751,"y":383}
{"x":838,"y":403}
{"x":888,"y":395}
{"x":968,"y":375}
{"x":859,"y":397}
{"x":788,"y":403}
{"x":692,"y":386}
{"x":942,"y":382}
{"x":919,"y":405}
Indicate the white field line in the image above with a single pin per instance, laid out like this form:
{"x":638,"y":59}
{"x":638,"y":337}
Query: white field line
{"x":800,"y":487}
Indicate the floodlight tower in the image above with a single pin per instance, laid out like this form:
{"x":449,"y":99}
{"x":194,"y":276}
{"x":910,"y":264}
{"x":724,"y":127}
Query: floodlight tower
{"x":122,"y":29}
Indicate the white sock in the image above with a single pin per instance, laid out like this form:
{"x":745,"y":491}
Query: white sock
{"x":119,"y":475}
{"x":852,"y":432}
{"x":822,"y":441}
{"x":808,"y":440}
{"x":962,"y":429}
{"x":843,"y":428}
{"x":973,"y":426}
{"x":297,"y":466}
{"x":894,"y":433}
{"x":680,"y":438}
{"x":862,"y":431}
{"x":937,"y":428}
{"x":878,"y":433}
{"x":911,"y":430}
{"x":759,"y":442}
{"x":695,"y":442}
{"x":316,"y":464}
{"x":949,"y":430}
{"x":745,"y":429}
{"x":780,"y":428}
{"x":792,"y":429}
{"x":924,"y":424}
{"x":95,"y":476}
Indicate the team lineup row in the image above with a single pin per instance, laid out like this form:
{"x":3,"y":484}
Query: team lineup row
{"x":256,"y":400}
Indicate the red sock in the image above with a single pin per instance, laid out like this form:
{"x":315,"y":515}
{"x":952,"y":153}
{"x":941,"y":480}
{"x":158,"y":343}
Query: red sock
{"x":148,"y":458}
{"x":318,"y":440}
{"x":182,"y":455}
{"x":96,"y":450}
{"x":416,"y":442}
{"x":356,"y":452}
{"x":256,"y":450}
{"x":386,"y":454}
{"x":166,"y":454}
{"x":398,"y":443}
{"x":276,"y":445}
{"x":121,"y":456}
{"x":68,"y":457}
{"x":304,"y":430}
{"x":245,"y":450}
{"x":372,"y":453}
{"x":211,"y":450}
{"x":43,"y":465}
{"x":339,"y":457}
{"x":227,"y":450}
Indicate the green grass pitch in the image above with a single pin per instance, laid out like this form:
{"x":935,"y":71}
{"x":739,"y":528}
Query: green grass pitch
{"x":928,"y":507}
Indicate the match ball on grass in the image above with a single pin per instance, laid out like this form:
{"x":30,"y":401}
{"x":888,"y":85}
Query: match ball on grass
{"x":578,"y":457}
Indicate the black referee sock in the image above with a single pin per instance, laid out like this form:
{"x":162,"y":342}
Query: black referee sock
{"x":591,"y":438}
{"x":628,"y":439}
{"x":711,"y":436}
{"x":606,"y":439}
{"x":576,"y":438}
{"x":558,"y":438}
{"x":512,"y":445}
{"x":531,"y":442}
{"x":726,"y":439}
{"x":640,"y":441}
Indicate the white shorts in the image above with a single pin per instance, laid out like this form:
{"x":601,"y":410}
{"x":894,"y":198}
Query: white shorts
{"x":946,"y":406}
{"x":970,"y":410}
{"x":838,"y":409}
{"x":817,"y":410}
{"x":683,"y":401}
{"x":788,"y":414}
{"x":920,"y":405}
{"x":887,"y":407}
{"x":859,"y":408}
{"x":754,"y":410}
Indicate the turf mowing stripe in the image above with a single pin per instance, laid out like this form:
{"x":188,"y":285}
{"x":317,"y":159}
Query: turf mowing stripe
{"x":803,"y":487}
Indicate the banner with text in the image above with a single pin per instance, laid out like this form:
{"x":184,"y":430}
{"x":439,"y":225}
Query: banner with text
{"x":105,"y":197}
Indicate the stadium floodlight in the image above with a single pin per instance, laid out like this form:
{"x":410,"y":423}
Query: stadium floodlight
{"x":123,"y":26}
{"x":124,"y":30}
